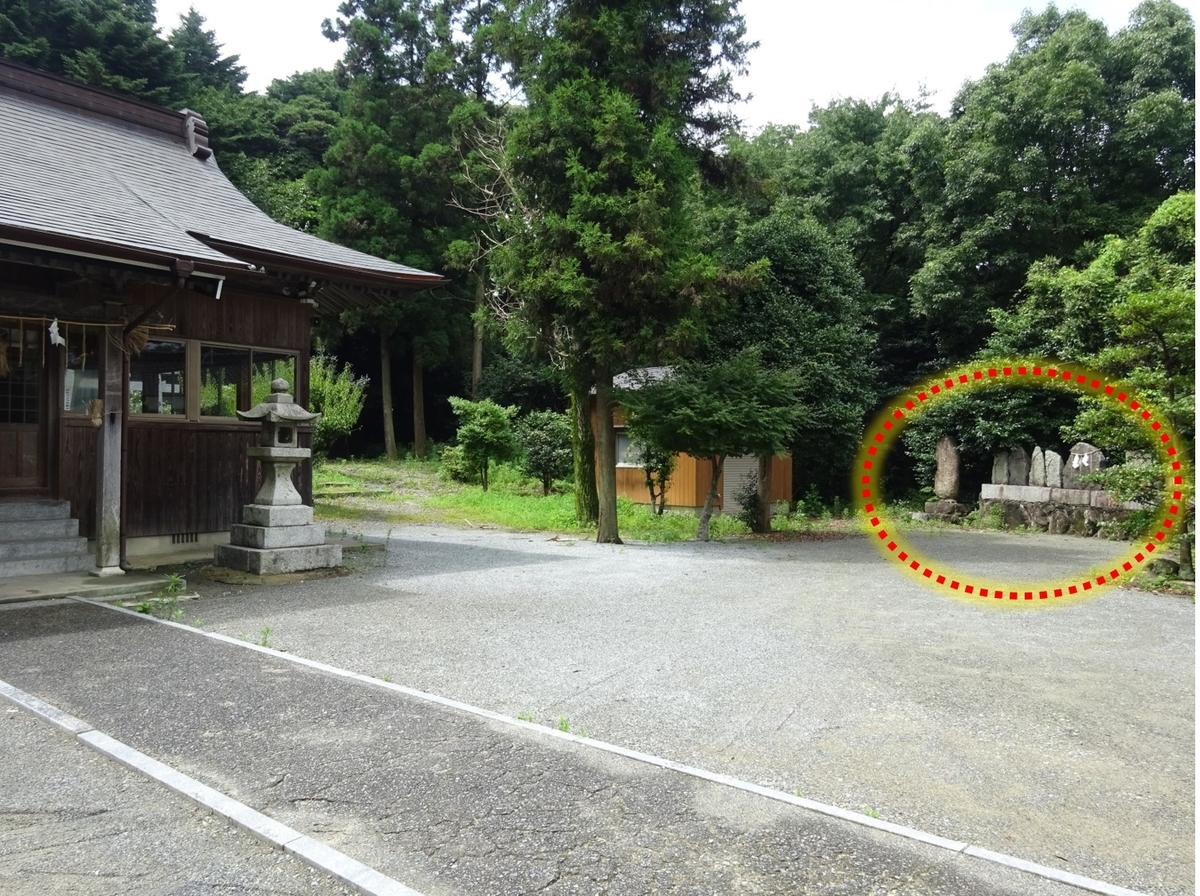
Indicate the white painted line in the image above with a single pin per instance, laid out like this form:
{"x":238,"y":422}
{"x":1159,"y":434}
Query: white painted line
{"x":314,"y":853}
{"x":358,"y":875}
{"x":266,"y":829}
{"x":986,"y":855}
{"x":1066,"y":877}
{"x":43,"y":710}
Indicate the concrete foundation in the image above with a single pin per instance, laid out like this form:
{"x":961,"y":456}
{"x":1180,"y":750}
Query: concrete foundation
{"x":265,"y":515}
{"x":273,"y":561}
{"x":276,"y":536}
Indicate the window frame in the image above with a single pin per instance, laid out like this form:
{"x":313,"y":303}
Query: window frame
{"x":621,"y":432}
{"x":189,"y":393}
{"x":193,"y":378}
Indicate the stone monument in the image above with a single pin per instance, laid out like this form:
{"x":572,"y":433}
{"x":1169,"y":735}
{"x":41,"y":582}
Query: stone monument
{"x":277,"y":533}
{"x":945,"y":505}
{"x":1054,"y":467}
{"x":1083,"y":459}
{"x":1037,"y":467}
{"x":945,"y":479}
{"x":1045,"y":468}
{"x":1010,"y":467}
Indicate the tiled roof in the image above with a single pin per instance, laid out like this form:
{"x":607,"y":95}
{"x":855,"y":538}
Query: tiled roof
{"x":98,"y":181}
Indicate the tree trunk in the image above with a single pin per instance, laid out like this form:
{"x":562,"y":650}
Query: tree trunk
{"x":420,"y":439}
{"x":710,"y":499}
{"x":477,"y":346}
{"x":606,"y":460}
{"x":762,"y":516}
{"x":385,"y":383}
{"x":1187,"y":567}
{"x":583,"y":449}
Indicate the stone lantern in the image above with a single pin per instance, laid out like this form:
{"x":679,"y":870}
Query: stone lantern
{"x":277,"y":533}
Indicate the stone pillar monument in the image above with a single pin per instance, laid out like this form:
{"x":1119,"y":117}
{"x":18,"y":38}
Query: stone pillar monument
{"x":945,"y":479}
{"x":277,"y":533}
{"x":945,"y":484}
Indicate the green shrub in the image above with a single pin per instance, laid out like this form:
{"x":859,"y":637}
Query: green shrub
{"x":337,"y":396}
{"x":747,"y":500}
{"x":484,"y":433}
{"x":452,"y":465}
{"x":545,"y":437}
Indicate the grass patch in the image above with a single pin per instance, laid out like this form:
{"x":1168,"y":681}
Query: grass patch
{"x":502,"y":507}
{"x":412,"y":491}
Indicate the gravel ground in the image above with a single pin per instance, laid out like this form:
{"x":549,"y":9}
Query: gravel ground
{"x":1064,"y":735}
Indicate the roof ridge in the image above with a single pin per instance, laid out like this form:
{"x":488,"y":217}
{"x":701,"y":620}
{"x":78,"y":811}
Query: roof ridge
{"x":95,"y":102}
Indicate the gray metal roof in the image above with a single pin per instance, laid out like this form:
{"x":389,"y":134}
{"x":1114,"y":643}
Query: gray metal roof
{"x":635,"y":379}
{"x":95,"y":180}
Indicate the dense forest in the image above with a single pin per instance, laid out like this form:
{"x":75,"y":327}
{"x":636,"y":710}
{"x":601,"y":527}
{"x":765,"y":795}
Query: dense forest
{"x":578,"y":172}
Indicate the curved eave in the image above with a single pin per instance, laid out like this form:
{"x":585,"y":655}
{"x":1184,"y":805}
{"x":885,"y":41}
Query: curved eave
{"x":117,"y":253}
{"x":331,"y":272}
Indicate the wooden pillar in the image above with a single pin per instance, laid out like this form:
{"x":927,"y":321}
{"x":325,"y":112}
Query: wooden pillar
{"x":108,"y":458}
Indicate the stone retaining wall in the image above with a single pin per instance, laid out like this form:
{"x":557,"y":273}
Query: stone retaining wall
{"x":1059,"y":511}
{"x":1038,"y":491}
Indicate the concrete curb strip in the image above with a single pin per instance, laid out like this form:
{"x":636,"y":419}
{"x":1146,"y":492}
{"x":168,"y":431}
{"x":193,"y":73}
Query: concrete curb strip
{"x":1044,"y":871}
{"x":314,"y":853}
{"x":43,"y":710}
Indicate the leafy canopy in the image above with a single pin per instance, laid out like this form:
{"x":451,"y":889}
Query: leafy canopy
{"x":805,"y":313}
{"x":1078,"y":134}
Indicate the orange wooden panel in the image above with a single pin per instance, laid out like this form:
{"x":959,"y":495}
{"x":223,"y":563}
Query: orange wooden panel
{"x":781,"y":479}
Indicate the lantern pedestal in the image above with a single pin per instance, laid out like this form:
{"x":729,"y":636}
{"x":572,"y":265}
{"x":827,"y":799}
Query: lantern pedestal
{"x":277,"y":533}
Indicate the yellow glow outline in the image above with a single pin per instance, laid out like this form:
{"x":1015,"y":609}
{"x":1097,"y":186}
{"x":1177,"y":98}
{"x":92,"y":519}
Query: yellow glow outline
{"x":886,"y":427}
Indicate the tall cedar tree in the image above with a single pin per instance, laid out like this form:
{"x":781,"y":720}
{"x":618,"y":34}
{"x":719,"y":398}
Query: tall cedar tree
{"x":104,"y":43}
{"x":203,"y":64}
{"x":623,"y":100}
{"x":390,"y":174}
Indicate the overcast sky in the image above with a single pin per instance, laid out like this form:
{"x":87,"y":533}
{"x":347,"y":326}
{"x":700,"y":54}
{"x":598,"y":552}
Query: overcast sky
{"x":809,"y":52}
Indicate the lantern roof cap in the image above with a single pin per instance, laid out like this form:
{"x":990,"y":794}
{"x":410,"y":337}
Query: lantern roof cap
{"x":278,"y":407}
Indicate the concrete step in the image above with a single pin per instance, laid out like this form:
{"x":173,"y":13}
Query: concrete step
{"x":41,"y":566}
{"x":34,"y":509}
{"x":38,"y":537}
{"x":31,"y":548}
{"x":20,"y":530}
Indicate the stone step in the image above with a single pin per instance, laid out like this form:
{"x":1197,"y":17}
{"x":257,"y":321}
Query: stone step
{"x":31,"y":548}
{"x":16,"y":530}
{"x":34,"y":509}
{"x":40,"y":566}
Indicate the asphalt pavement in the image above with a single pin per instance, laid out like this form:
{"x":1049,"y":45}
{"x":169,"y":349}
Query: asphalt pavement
{"x":1063,"y":737}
